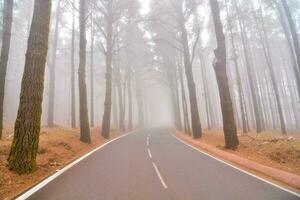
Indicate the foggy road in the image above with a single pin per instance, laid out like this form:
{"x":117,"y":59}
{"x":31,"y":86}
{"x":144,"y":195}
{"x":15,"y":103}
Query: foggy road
{"x":153,"y":165}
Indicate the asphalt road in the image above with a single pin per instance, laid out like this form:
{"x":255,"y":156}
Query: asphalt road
{"x":152,"y":165}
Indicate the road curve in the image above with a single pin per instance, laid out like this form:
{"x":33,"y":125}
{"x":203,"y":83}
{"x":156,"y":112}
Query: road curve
{"x":152,"y":165}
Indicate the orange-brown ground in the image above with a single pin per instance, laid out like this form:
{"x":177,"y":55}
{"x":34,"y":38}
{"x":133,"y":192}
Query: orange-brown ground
{"x":268,"y":148}
{"x":58,"y":147}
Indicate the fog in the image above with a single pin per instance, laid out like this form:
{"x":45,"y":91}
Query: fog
{"x":149,"y":60}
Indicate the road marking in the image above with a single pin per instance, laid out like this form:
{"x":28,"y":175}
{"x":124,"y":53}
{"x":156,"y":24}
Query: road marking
{"x":235,"y":167}
{"x":159,"y":176}
{"x":40,"y":185}
{"x":149,"y":153}
{"x":147,"y":143}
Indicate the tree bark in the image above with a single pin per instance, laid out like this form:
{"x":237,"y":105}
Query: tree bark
{"x":84,"y":118}
{"x":266,"y":49}
{"x":22,"y":157}
{"x":196,"y":125}
{"x":6,"y":38}
{"x":140,"y":104}
{"x":293,"y":31}
{"x":187,"y":127}
{"x":92,"y":72}
{"x":238,"y":77}
{"x":206,"y":93}
{"x":292,"y":54}
{"x":229,"y":126}
{"x":249,"y":69}
{"x":108,"y":87}
{"x":73,"y":104}
{"x":52,"y":67}
{"x":130,"y":106}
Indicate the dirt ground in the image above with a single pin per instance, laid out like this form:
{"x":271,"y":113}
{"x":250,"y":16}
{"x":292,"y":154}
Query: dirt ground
{"x":58,"y":147}
{"x":269,"y":148}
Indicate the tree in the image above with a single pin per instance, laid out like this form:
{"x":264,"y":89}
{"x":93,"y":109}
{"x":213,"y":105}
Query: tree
{"x":173,"y":22}
{"x":73,"y":111}
{"x":52,"y":67}
{"x":6,"y":37}
{"x":92,"y":71}
{"x":293,"y":31}
{"x":238,"y":76}
{"x":266,"y":49}
{"x":22,"y":157}
{"x":229,"y":127}
{"x":108,"y":22}
{"x":84,"y":118}
{"x":249,"y":68}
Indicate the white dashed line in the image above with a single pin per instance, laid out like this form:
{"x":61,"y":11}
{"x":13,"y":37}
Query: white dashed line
{"x":159,"y":176}
{"x":149,"y":153}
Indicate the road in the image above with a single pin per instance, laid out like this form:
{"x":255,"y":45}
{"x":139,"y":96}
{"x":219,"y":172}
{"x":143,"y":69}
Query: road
{"x":152,"y":164}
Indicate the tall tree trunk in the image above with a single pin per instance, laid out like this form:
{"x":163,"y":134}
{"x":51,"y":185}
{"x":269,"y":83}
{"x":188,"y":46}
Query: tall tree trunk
{"x":108,"y":87}
{"x":140,"y":104}
{"x":205,"y":89}
{"x":171,"y":76}
{"x":187,"y":127}
{"x":196,"y":125}
{"x":249,"y":72}
{"x":92,"y":72}
{"x":229,"y":126}
{"x":293,"y":31}
{"x":114,"y":104}
{"x":129,"y":86}
{"x":121,"y":99}
{"x":266,"y":49}
{"x":238,"y":76}
{"x":52,"y":67}
{"x":290,"y":46}
{"x":73,"y":104}
{"x":22,"y":156}
{"x":6,"y":37}
{"x":84,"y":118}
{"x":177,"y":101}
{"x":124,"y":103}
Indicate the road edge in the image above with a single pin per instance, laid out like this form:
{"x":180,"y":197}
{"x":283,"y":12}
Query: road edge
{"x":234,"y":166}
{"x":29,"y":192}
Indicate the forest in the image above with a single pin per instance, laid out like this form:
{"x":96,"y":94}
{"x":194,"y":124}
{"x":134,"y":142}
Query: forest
{"x":222,"y":73}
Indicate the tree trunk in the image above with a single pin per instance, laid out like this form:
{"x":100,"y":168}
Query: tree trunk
{"x":290,"y":46}
{"x":249,"y":72}
{"x":120,"y":98}
{"x":266,"y":49}
{"x":92,"y":72}
{"x":229,"y":126}
{"x":84,"y":118}
{"x":196,"y":125}
{"x":108,"y":87}
{"x":140,"y":104}
{"x":206,"y":92}
{"x":114,"y":104}
{"x":238,"y":77}
{"x":187,"y":127}
{"x":130,"y":113}
{"x":6,"y":38}
{"x":293,"y":31}
{"x":73,"y":104}
{"x":171,"y":76}
{"x":52,"y":67}
{"x":22,"y":157}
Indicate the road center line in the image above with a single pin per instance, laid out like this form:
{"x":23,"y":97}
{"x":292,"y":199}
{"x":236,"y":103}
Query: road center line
{"x":159,"y":176}
{"x":149,"y":153}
